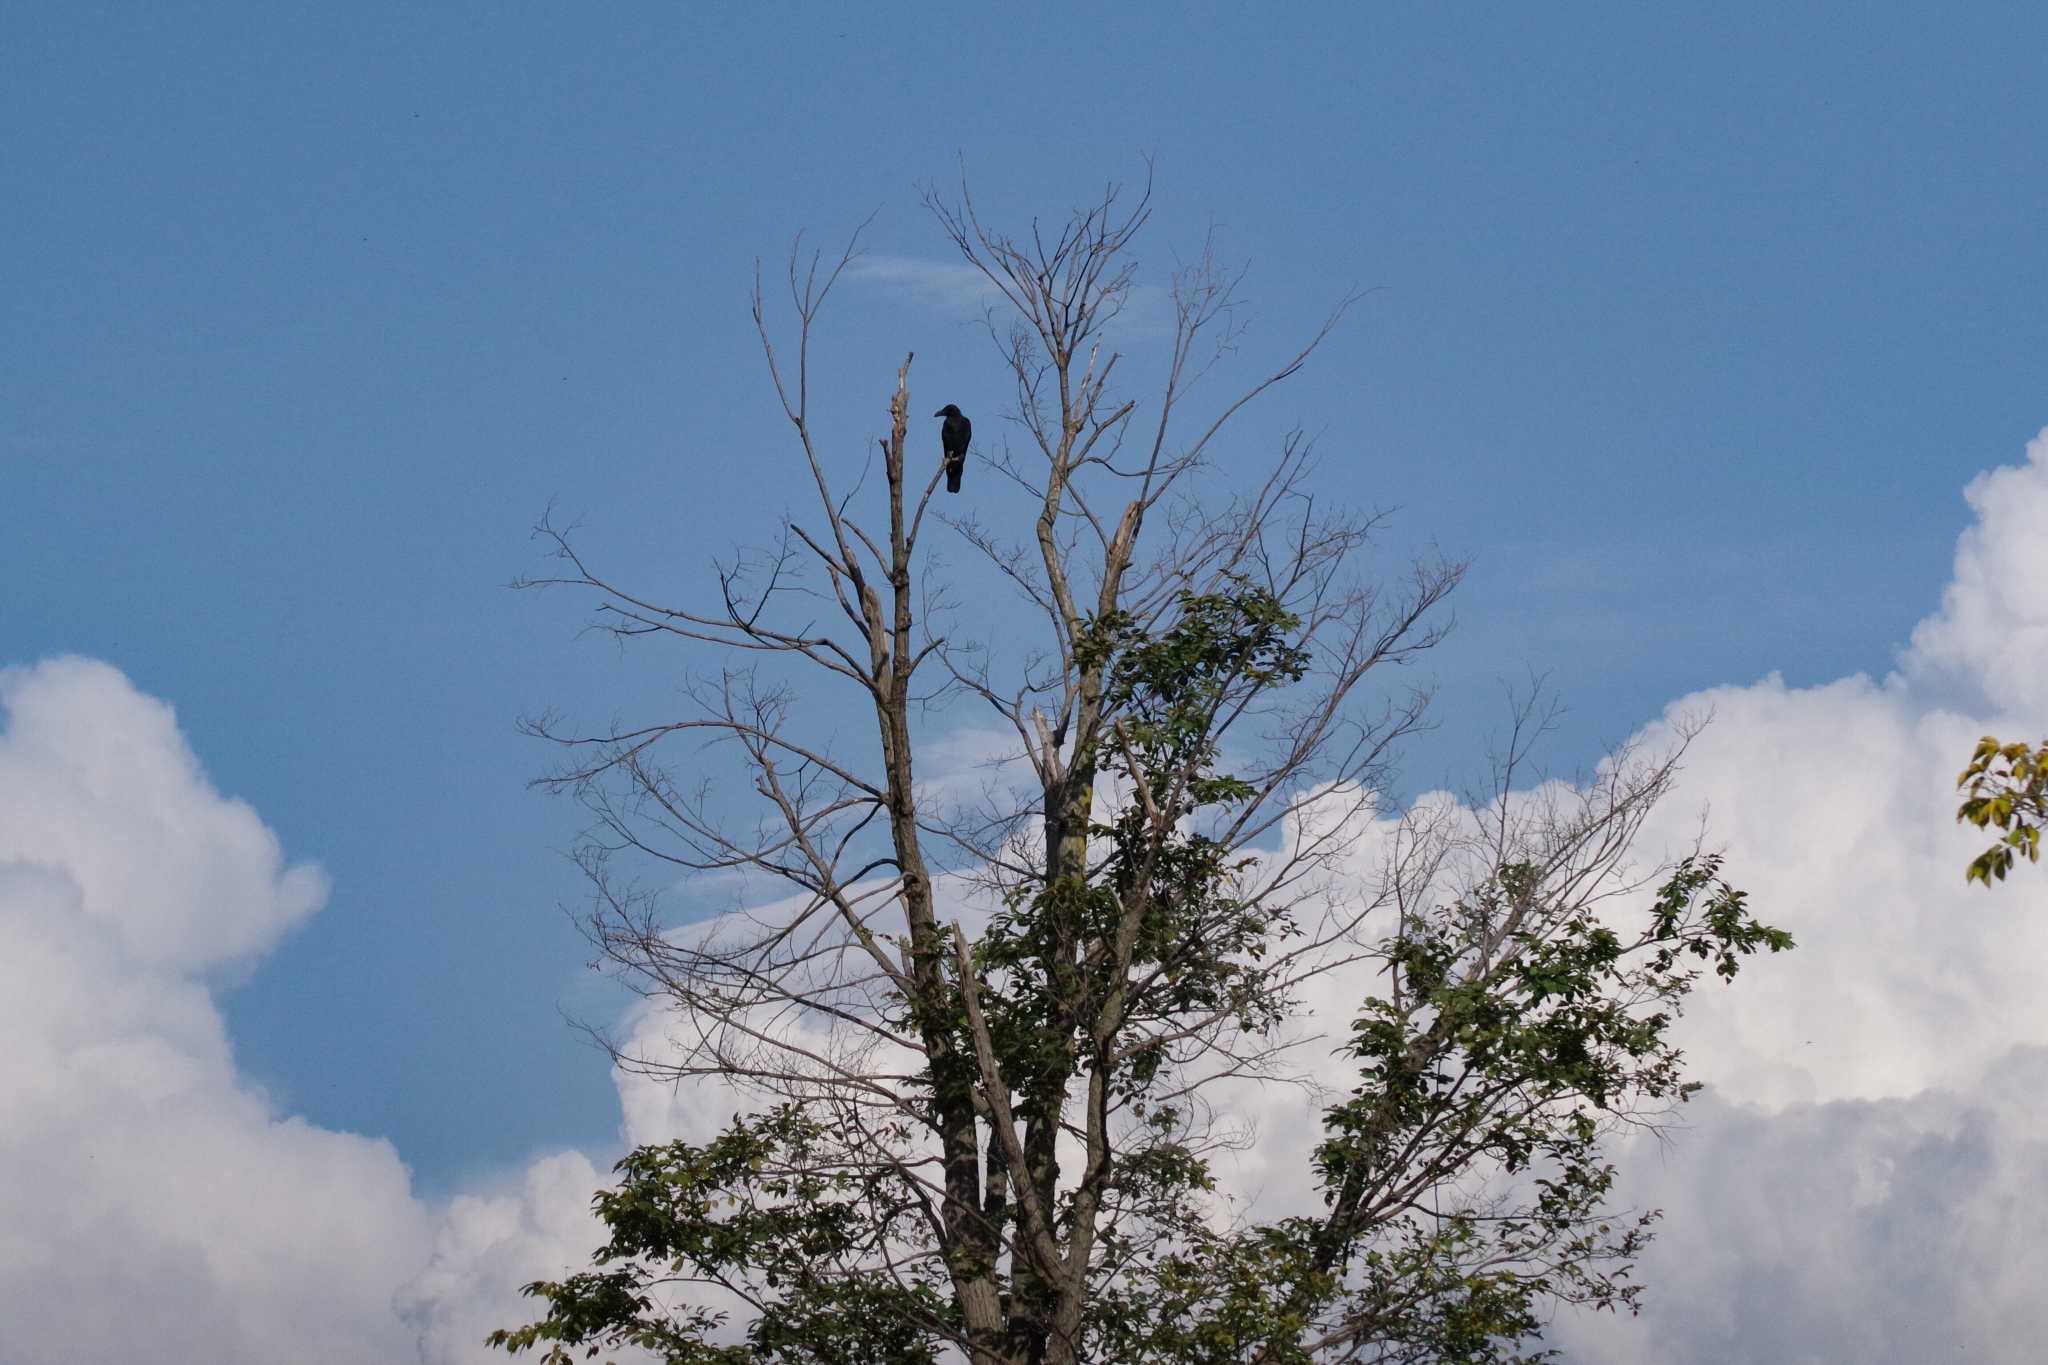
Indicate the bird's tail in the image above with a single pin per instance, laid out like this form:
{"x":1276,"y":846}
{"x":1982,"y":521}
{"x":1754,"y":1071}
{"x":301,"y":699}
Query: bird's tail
{"x":953,"y":471}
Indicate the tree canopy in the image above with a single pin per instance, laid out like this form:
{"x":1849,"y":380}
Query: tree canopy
{"x":983,"y":1041}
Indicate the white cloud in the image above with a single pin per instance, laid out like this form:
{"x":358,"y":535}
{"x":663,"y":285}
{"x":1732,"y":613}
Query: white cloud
{"x":486,"y":1245}
{"x":1991,"y":634}
{"x":194,"y":880}
{"x":1894,"y":1231}
{"x":153,"y":1206}
{"x":1856,"y":1183}
{"x":1859,"y":1183}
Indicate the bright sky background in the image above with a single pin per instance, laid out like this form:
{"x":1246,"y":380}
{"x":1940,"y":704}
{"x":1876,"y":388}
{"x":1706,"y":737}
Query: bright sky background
{"x":1691,"y":330}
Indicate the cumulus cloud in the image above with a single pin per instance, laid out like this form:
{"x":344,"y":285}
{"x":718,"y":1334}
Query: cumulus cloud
{"x":153,"y":1206}
{"x":1894,"y":1231}
{"x":489,"y":1243}
{"x":1990,"y":637}
{"x":1856,"y":1184}
{"x":1853,"y":1184}
{"x":193,"y":880}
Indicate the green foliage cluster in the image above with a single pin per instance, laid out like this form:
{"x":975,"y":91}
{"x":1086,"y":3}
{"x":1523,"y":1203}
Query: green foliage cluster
{"x":1462,"y":1178}
{"x":2005,"y":787}
{"x":770,"y":1202}
{"x":1510,"y":1037}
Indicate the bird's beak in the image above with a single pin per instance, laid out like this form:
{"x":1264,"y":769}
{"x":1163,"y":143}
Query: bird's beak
{"x":940,"y":413}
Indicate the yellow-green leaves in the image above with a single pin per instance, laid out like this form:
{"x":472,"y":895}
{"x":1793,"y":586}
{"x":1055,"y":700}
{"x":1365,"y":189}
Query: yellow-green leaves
{"x":2005,"y":788}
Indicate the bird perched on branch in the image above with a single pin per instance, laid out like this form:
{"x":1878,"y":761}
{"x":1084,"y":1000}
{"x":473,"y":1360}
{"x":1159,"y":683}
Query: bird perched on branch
{"x":954,"y":435}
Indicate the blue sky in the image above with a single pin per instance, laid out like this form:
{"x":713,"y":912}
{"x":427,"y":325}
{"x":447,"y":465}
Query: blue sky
{"x":1687,"y":331}
{"x":1688,"y":328}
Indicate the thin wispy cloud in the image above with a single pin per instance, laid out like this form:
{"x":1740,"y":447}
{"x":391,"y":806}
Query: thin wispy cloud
{"x":951,"y":287}
{"x":959,"y":290}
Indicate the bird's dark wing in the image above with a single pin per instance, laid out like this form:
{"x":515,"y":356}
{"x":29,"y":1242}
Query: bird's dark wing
{"x":954,"y":436}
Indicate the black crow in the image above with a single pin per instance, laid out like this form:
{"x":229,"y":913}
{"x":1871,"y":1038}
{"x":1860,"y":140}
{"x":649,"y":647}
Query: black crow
{"x":954,"y":435}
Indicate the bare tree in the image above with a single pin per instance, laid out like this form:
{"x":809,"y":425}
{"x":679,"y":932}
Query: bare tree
{"x":981,"y":1033}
